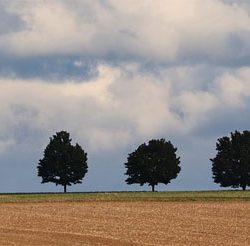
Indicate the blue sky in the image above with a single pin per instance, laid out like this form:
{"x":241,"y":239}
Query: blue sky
{"x":116,"y":74}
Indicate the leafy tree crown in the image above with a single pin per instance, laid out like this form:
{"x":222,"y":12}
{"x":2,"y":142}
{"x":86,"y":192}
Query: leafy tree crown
{"x":231,"y":165}
{"x":62,"y":163}
{"x":153,"y":163}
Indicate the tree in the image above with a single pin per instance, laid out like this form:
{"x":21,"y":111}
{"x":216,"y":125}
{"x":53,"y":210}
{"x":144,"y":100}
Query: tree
{"x":63,"y":163}
{"x":153,"y":163}
{"x":231,"y":166}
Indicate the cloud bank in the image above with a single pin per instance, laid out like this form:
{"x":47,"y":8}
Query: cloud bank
{"x":121,"y":103}
{"x":170,"y":31}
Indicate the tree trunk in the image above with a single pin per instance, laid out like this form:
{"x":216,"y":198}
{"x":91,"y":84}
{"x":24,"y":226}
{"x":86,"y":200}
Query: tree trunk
{"x":65,"y":188}
{"x":153,"y":188}
{"x":243,"y":186}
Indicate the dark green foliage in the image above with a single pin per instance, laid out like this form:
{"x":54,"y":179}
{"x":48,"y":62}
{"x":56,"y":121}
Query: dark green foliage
{"x":231,"y":166}
{"x":63,"y":163}
{"x":153,"y":163}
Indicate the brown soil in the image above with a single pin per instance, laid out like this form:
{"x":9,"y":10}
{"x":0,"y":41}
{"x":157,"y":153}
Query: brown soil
{"x":125,"y":223}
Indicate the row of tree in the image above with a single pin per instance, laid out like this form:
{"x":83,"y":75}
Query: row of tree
{"x":151,"y":163}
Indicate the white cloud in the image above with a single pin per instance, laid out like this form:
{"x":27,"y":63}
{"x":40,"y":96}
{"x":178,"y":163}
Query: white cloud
{"x":195,"y":107}
{"x":234,"y":87}
{"x":50,"y":28}
{"x":120,"y":105}
{"x":155,"y":30}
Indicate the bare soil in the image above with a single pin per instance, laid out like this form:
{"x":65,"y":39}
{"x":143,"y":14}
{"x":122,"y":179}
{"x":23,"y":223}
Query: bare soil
{"x":125,"y":223}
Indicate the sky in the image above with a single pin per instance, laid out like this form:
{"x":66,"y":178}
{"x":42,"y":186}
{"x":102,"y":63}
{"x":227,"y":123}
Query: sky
{"x":115,"y":74}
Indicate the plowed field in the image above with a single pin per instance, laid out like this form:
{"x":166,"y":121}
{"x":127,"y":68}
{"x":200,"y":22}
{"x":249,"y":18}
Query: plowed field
{"x":125,"y":223}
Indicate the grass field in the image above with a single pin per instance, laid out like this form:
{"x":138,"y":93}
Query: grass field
{"x":126,"y":218}
{"x":129,"y":196}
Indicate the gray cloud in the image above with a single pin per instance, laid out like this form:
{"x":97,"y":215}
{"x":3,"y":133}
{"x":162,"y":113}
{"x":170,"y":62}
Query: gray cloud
{"x":213,"y":32}
{"x":9,"y":22}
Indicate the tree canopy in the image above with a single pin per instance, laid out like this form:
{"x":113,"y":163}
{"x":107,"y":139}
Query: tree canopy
{"x":231,"y":166}
{"x":153,"y":163}
{"x":63,"y":163}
